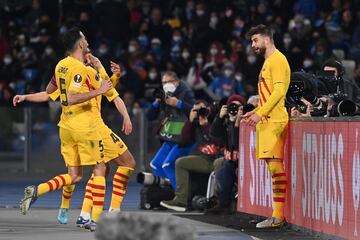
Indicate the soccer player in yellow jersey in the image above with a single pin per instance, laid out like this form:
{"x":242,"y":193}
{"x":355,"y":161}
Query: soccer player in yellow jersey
{"x":271,"y":117}
{"x":81,"y":143}
{"x":114,"y":147}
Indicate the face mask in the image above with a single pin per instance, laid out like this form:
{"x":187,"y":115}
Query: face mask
{"x":307,"y":63}
{"x":199,"y":60}
{"x":152,"y":75}
{"x":48,"y":51}
{"x":238,"y":78}
{"x":176,"y":38}
{"x":251,"y":59}
{"x":228,"y":72}
{"x":287,"y":40}
{"x":7,"y":60}
{"x":213,"y":20}
{"x":200,"y":12}
{"x":185,"y":55}
{"x":132,"y":49}
{"x":169,"y":88}
{"x":213,"y":51}
{"x":102,"y":51}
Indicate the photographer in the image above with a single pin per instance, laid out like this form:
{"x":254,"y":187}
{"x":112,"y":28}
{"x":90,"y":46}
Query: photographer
{"x":225,"y":127}
{"x":175,"y":101}
{"x":345,"y":86}
{"x":196,"y":130}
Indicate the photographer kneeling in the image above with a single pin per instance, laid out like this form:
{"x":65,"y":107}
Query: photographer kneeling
{"x":196,"y":130}
{"x":175,"y":101}
{"x":226,"y":128}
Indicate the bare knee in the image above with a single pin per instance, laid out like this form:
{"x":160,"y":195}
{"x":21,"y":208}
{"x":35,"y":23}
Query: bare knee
{"x":75,"y":178}
{"x":99,"y":169}
{"x":126,"y":160}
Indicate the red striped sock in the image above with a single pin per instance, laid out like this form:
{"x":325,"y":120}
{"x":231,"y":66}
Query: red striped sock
{"x":120,"y":182}
{"x":53,"y":184}
{"x":98,"y":194}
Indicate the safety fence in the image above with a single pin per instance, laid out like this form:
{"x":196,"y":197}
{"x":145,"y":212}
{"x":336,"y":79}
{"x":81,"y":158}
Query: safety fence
{"x":29,"y":138}
{"x":322,"y":161}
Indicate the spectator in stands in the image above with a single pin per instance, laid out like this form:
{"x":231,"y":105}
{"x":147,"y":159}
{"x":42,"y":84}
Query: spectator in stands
{"x":226,"y":84}
{"x":225,"y":127}
{"x":151,"y":83}
{"x":196,"y":131}
{"x":175,"y":102}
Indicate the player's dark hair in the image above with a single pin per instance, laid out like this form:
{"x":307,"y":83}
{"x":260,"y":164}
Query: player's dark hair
{"x":262,"y":30}
{"x":70,"y":38}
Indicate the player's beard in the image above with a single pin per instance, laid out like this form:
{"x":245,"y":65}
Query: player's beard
{"x":261,"y":51}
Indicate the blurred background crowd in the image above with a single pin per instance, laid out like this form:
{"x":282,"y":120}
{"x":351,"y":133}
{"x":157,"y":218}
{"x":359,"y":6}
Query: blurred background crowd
{"x":202,"y":41}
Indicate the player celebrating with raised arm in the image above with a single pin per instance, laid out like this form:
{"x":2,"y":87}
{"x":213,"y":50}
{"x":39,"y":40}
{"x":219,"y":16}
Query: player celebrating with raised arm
{"x":114,"y":148}
{"x":271,"y":117}
{"x":81,"y":143}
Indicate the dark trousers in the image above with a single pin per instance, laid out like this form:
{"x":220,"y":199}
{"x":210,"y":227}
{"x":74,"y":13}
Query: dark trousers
{"x":226,"y":179}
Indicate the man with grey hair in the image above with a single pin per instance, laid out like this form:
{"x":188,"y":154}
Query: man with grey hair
{"x":175,"y":100}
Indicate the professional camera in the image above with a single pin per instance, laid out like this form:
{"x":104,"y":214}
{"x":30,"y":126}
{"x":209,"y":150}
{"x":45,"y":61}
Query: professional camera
{"x":307,"y":86}
{"x":150,"y":179}
{"x":202,"y":112}
{"x":159,"y":93}
{"x":233,"y":108}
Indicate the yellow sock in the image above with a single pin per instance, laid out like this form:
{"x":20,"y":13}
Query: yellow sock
{"x":120,"y":182}
{"x":53,"y":184}
{"x":279,"y":188}
{"x":98,"y":194}
{"x":88,"y":198}
{"x":66,"y":195}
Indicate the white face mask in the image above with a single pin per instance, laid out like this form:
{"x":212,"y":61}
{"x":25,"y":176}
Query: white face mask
{"x":200,"y":12}
{"x":251,"y":59}
{"x":176,"y":38}
{"x":213,"y":51}
{"x":199,"y":60}
{"x":238,"y":78}
{"x":214,"y":20}
{"x":307,"y":63}
{"x":132,"y":49}
{"x":185,"y":54}
{"x":228,"y":72}
{"x":287,"y":40}
{"x":7,"y":60}
{"x":48,"y":51}
{"x":152,"y":75}
{"x":169,"y":88}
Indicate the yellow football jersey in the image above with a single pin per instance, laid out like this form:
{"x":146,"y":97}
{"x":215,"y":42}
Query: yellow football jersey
{"x":274,"y":80}
{"x":94,"y":82}
{"x":72,"y":75}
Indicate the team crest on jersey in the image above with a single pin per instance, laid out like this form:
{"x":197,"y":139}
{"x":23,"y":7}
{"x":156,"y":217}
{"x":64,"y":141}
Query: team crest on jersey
{"x":97,"y":77}
{"x":77,"y":78}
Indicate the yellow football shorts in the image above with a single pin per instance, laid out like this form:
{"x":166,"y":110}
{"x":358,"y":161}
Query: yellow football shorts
{"x":270,"y":139}
{"x":113,"y":145}
{"x":81,"y":148}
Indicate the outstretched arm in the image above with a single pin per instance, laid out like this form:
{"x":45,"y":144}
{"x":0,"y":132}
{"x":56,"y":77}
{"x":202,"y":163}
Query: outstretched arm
{"x":34,"y":97}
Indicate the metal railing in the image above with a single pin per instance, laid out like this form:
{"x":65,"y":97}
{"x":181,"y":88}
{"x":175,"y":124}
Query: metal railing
{"x":29,"y":139}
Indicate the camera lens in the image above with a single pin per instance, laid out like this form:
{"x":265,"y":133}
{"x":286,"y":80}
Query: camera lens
{"x":233,"y":108}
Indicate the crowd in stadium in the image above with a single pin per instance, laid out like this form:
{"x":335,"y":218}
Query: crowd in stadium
{"x":202,"y":41}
